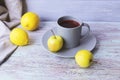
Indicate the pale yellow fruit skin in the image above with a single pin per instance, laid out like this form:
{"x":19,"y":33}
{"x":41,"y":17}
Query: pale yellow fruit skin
{"x":30,"y":21}
{"x":19,"y":37}
{"x":83,"y":58}
{"x":55,"y":43}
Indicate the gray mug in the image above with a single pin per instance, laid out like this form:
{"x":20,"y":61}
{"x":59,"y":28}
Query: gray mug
{"x":70,"y":29}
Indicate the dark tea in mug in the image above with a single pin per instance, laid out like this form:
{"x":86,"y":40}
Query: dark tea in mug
{"x":70,"y":29}
{"x":69,"y":23}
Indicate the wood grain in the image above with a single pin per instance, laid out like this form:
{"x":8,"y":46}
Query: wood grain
{"x":33,"y":62}
{"x":87,"y":10}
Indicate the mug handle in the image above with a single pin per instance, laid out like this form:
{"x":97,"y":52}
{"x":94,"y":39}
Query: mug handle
{"x":88,"y":31}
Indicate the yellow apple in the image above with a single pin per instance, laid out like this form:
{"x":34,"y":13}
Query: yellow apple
{"x":83,"y":58}
{"x":55,"y":43}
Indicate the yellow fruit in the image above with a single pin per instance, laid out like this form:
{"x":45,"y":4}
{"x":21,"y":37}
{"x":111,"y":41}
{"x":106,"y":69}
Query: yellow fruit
{"x":55,"y":43}
{"x":30,"y":21}
{"x":83,"y":58}
{"x":19,"y":37}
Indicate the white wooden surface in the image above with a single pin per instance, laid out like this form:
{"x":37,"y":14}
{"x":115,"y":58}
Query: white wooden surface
{"x":33,"y":62}
{"x":87,"y":10}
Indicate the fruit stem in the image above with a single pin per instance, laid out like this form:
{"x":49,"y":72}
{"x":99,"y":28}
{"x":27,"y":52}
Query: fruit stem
{"x":53,"y":33}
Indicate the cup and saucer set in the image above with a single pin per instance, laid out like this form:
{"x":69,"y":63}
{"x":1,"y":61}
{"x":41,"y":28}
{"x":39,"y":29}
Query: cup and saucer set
{"x":76,"y":35}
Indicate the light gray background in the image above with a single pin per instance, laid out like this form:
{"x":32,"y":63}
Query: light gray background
{"x":87,"y":10}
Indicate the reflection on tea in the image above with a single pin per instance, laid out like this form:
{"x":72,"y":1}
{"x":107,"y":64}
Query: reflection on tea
{"x":69,"y":23}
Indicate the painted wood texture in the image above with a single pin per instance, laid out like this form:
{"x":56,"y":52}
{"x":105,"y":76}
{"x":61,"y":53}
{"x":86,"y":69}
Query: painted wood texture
{"x":87,"y":10}
{"x":33,"y":62}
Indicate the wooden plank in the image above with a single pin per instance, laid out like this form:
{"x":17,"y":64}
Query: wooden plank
{"x":88,"y":10}
{"x":33,"y":62}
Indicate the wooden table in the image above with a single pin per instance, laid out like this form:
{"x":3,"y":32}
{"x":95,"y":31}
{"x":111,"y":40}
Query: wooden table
{"x":33,"y":62}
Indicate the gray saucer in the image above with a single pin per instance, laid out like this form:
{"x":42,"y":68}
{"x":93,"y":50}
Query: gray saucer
{"x":87,"y":43}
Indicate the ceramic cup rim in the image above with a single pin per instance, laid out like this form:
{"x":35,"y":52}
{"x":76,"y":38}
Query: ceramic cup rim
{"x":70,"y":18}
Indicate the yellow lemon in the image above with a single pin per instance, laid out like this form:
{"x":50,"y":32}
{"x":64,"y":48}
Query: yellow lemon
{"x":30,"y":21}
{"x":83,"y":58}
{"x":19,"y":37}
